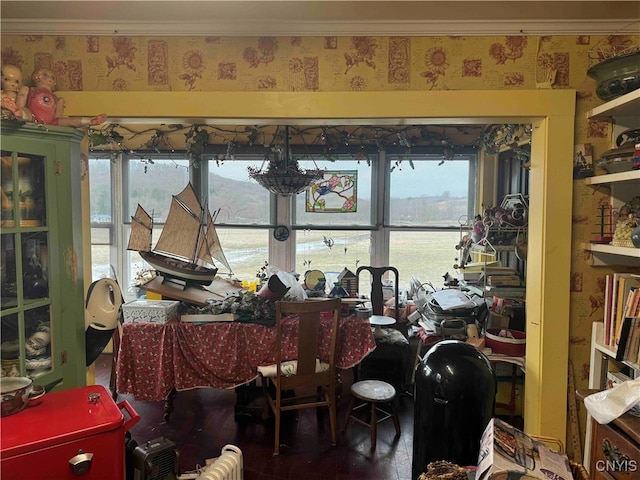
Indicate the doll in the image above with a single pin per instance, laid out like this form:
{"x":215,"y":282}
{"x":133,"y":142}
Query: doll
{"x":46,"y":106}
{"x":11,"y":85}
{"x":635,"y":165}
{"x":478,"y":231}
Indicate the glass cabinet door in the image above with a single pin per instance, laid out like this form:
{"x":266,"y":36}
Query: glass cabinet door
{"x":26,"y":346}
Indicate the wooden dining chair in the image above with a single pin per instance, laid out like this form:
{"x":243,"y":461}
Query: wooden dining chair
{"x":376,"y":295}
{"x":311,"y":378}
{"x":390,"y":360}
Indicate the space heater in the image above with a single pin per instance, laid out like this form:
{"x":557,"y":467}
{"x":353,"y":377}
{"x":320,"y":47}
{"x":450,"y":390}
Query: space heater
{"x":228,"y":466}
{"x":155,"y":460}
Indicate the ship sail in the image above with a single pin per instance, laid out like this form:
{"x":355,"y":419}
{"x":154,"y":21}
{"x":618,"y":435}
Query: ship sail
{"x":211,"y":243}
{"x":141,"y":231}
{"x":187,"y":245}
{"x":179,"y":237}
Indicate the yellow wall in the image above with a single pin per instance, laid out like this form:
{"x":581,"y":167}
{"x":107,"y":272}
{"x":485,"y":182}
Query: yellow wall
{"x":331,"y":74}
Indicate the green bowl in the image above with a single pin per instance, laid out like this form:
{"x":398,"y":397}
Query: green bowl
{"x":616,"y":76}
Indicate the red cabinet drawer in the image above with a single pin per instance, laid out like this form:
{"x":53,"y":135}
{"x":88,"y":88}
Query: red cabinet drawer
{"x":39,"y":441}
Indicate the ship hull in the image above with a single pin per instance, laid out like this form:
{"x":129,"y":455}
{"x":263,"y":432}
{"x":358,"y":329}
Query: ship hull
{"x":178,"y":269}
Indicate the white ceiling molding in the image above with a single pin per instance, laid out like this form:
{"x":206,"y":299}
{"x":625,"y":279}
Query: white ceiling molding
{"x":246,"y":27}
{"x":319,"y":18}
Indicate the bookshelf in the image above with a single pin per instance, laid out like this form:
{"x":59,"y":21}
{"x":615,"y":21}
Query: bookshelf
{"x":623,"y":113}
{"x":601,"y":358}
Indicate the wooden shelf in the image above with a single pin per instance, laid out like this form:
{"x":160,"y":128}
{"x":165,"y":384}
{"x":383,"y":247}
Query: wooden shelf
{"x":612,"y":249}
{"x":613,"y":178}
{"x":604,"y":255}
{"x":625,"y":106}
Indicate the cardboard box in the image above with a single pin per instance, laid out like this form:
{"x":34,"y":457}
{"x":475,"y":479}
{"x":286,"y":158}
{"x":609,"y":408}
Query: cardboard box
{"x":150,"y":311}
{"x":504,"y":448}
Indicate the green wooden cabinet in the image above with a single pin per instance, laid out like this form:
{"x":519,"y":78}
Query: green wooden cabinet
{"x":42,"y":285}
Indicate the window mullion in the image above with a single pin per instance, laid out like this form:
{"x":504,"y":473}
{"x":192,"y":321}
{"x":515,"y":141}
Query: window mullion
{"x":119,"y":207}
{"x":283,"y":254}
{"x":379,"y":254}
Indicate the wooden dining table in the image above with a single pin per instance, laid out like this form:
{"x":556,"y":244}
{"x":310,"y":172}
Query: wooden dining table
{"x":157,"y":360}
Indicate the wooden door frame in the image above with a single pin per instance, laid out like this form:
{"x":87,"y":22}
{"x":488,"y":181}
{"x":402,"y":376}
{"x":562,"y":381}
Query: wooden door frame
{"x":552,"y":114}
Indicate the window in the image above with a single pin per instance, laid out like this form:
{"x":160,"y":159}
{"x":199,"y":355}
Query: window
{"x":235,"y":199}
{"x":426,"y":255}
{"x":151,"y":182}
{"x":329,"y":242}
{"x":243,"y":212}
{"x":331,"y":250}
{"x":425,"y":191}
{"x":102,"y":226}
{"x":409,"y":217}
{"x":428,"y":200}
{"x":424,"y":204}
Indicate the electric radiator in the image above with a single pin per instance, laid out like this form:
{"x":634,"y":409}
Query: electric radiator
{"x":228,"y":466}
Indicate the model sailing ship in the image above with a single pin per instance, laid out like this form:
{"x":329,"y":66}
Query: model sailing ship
{"x":188,"y":244}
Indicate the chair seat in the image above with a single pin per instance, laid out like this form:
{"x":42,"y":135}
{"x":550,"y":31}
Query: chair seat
{"x":289,"y":368}
{"x":381,"y":320}
{"x":373,"y":391}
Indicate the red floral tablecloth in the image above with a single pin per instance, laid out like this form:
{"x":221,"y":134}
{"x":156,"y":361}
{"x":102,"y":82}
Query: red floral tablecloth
{"x":154,"y":358}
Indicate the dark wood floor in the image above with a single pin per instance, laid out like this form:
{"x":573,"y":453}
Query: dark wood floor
{"x":204,"y":421}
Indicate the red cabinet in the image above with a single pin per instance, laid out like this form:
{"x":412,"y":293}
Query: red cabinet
{"x":71,"y":434}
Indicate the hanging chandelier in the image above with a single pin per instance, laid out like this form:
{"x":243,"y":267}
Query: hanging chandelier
{"x":282,"y":175}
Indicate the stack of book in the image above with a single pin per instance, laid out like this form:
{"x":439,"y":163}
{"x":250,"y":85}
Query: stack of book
{"x":475,"y":272}
{"x":493,"y":279}
{"x":490,"y":273}
{"x":505,"y":292}
{"x":504,"y":280}
{"x":622,"y":315}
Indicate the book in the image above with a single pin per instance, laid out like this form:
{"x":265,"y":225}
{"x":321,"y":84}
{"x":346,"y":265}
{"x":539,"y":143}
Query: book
{"x":612,"y":311}
{"x":470,"y":276}
{"x":607,"y":308}
{"x":517,"y":292}
{"x":625,"y":331}
{"x":633,"y":344}
{"x":504,"y":280}
{"x":480,"y":267}
{"x":208,"y":318}
{"x":633,"y":303}
{"x":627,"y":282}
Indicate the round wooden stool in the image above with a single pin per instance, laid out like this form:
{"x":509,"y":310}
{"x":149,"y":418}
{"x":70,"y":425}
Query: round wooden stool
{"x":373,"y":393}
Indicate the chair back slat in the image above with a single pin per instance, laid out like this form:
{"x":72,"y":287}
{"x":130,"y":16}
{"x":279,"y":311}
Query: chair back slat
{"x":376,"y":294}
{"x":308,"y":345}
{"x":309,"y":335}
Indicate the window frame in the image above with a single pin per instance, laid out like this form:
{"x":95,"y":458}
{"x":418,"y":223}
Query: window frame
{"x":282,"y":209}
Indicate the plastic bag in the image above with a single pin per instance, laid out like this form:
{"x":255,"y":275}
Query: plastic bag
{"x":296,"y":292}
{"x":609,"y":404}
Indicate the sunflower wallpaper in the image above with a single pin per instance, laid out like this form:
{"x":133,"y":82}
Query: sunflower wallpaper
{"x":366,"y":63}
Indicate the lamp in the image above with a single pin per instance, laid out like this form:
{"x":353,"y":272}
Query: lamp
{"x":283,"y":176}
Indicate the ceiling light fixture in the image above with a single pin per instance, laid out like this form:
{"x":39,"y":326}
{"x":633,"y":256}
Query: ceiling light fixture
{"x":282,"y":175}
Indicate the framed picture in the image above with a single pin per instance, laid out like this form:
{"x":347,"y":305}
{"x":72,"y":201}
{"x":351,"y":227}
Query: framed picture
{"x":583,"y":160}
{"x":336,"y":192}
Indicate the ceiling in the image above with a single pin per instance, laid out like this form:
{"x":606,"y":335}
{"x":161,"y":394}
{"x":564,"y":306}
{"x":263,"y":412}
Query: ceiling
{"x":308,"y":17}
